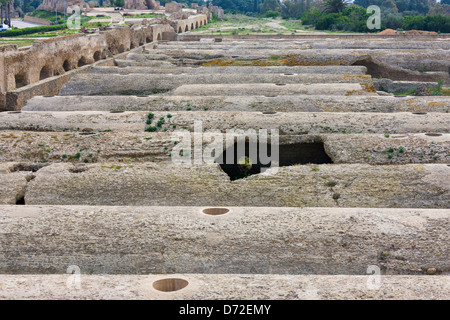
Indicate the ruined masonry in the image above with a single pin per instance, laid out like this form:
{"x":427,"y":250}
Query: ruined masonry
{"x":87,"y":182}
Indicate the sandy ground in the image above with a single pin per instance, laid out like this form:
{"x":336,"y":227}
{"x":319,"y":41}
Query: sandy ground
{"x":24,"y":24}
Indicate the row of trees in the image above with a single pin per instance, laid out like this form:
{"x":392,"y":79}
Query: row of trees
{"x":337,"y":15}
{"x":345,"y":16}
{"x":296,"y":8}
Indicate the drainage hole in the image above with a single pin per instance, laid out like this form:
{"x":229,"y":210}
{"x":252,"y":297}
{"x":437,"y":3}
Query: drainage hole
{"x":170,"y":285}
{"x":280,"y":84}
{"x":116,"y":111}
{"x":215,"y":211}
{"x":269,"y":112}
{"x":433,"y":134}
{"x":419,"y":113}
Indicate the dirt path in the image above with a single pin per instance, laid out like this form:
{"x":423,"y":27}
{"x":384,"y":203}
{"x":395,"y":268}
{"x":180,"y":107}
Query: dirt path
{"x":275,"y":24}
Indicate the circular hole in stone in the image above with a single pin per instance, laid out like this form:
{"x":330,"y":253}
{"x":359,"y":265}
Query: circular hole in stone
{"x":280,"y":84}
{"x":288,"y":74}
{"x":170,"y":285}
{"x":269,"y":112}
{"x":15,"y":112}
{"x":419,"y":113}
{"x":431,"y":134}
{"x":268,"y":95}
{"x":215,"y":211}
{"x":116,"y":111}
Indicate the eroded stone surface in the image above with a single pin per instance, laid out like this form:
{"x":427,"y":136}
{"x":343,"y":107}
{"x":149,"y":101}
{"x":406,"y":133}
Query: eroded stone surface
{"x":406,"y":186}
{"x":258,"y":103}
{"x":88,"y":188}
{"x":142,"y":240}
{"x":226,"y":287}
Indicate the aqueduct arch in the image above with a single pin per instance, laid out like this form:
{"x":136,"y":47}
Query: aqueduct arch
{"x":46,"y":72}
{"x":21,"y":80}
{"x":67,"y":66}
{"x":97,"y":55}
{"x":82,"y":62}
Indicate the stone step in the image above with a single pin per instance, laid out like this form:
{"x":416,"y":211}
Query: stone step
{"x":175,"y":184}
{"x":271,"y":90}
{"x":316,"y":43}
{"x":257,"y":103}
{"x":91,"y":84}
{"x":224,"y":287}
{"x":291,"y":71}
{"x":288,"y":123}
{"x":308,"y":56}
{"x":125,"y":147}
{"x":144,"y":63}
{"x":143,"y":240}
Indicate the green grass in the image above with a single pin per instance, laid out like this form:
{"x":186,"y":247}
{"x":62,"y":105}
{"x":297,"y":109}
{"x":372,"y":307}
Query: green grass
{"x":51,"y":16}
{"x":239,"y":24}
{"x":406,"y":93}
{"x":20,"y":43}
{"x":100,"y":17}
{"x":293,"y":25}
{"x":144,"y":15}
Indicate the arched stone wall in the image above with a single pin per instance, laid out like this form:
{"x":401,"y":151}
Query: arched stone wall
{"x":59,"y":55}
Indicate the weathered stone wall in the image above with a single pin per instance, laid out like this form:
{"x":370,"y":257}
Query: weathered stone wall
{"x":192,"y":22}
{"x":52,"y":57}
{"x":47,"y":58}
{"x":172,"y":7}
{"x":225,"y":287}
{"x":49,"y":5}
{"x":197,"y":37}
{"x":142,"y":4}
{"x":185,"y":240}
{"x":135,"y":4}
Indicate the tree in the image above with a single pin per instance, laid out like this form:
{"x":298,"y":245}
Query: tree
{"x":413,"y":23}
{"x":6,"y":7}
{"x":311,"y":16}
{"x":292,"y":8}
{"x":443,"y":9}
{"x":334,"y":6}
{"x":270,"y":5}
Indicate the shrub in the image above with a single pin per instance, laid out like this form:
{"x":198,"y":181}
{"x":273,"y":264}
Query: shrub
{"x":271,"y":14}
{"x":327,"y":21}
{"x":311,"y":16}
{"x":24,"y":31}
{"x":151,"y":129}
